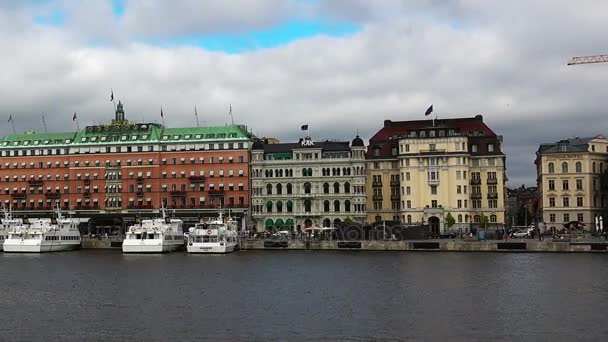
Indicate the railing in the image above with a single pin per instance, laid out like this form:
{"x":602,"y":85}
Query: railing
{"x":216,"y":192}
{"x":18,"y":194}
{"x":139,"y":194}
{"x":50,"y":194}
{"x":437,"y":151}
{"x":475,"y":195}
{"x":178,"y":193}
{"x":87,"y":181}
{"x":197,"y":179}
{"x":140,"y":180}
{"x":395,"y":183}
{"x":475,"y":181}
{"x":492,"y":181}
{"x":377,"y":197}
{"x":433,"y":181}
{"x":395,"y":197}
{"x":377,"y":184}
{"x":35,"y":182}
{"x":492,"y":195}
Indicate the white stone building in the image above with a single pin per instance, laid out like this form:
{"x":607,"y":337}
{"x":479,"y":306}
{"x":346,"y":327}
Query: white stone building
{"x":304,"y":184}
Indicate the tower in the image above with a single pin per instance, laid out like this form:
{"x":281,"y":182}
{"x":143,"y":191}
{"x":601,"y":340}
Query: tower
{"x":120,"y":114}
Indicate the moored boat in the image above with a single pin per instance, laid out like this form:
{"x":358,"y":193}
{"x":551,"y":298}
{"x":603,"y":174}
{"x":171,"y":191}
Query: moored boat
{"x":214,"y":236}
{"x":157,"y":235}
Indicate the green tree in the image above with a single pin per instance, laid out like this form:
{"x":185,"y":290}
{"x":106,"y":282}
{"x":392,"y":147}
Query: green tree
{"x":450,"y":220}
{"x":348,"y":220}
{"x":484,"y":220}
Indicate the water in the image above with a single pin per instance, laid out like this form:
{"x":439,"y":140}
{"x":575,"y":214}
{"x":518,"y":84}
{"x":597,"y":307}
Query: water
{"x":279,"y":295}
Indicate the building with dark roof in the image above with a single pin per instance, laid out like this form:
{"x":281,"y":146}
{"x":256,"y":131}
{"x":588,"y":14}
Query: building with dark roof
{"x":308,"y":183}
{"x":422,"y":170}
{"x":127,"y":169}
{"x":568,"y":179}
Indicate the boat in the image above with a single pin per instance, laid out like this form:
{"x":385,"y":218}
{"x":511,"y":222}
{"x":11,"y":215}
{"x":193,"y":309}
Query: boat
{"x":7,"y":222}
{"x":157,"y":235}
{"x":214,"y":236}
{"x":53,"y":234}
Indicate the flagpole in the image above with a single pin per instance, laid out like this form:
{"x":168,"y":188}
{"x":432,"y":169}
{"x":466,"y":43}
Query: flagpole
{"x":196,"y":114}
{"x":44,"y":123}
{"x":12,"y":123}
{"x":231,"y":116}
{"x":112,"y":98}
{"x":162,"y":115}
{"x":77,"y":124}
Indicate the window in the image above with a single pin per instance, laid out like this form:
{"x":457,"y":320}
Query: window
{"x":490,"y":147}
{"x":579,"y":201}
{"x":564,"y":167}
{"x":551,"y":217}
{"x":551,"y":184}
{"x":579,"y":167}
{"x":433,"y":190}
{"x":579,"y":184}
{"x":434,"y":203}
{"x":566,"y":202}
{"x":566,"y":217}
{"x":565,"y":184}
{"x":474,"y":148}
{"x":552,"y":202}
{"x":551,"y":167}
{"x":580,"y":217}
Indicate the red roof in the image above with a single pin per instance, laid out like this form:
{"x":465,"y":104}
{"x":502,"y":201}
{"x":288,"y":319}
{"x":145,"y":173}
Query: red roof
{"x":460,"y":125}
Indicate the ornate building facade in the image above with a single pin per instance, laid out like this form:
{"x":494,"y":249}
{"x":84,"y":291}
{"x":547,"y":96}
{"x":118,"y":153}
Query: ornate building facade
{"x":420,"y":171}
{"x":127,"y":169}
{"x":304,"y":184}
{"x":569,"y":173}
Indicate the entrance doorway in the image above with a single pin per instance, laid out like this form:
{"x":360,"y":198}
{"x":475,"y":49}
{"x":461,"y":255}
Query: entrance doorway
{"x":434,"y":225}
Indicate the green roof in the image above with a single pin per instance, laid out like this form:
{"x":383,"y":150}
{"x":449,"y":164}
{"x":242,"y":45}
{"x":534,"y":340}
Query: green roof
{"x":127,"y":132}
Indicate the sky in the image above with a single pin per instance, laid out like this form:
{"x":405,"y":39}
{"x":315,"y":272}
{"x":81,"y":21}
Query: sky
{"x":340,"y":66}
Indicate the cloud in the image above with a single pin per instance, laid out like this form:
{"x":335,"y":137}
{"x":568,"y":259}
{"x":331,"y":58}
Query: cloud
{"x":507,"y":62}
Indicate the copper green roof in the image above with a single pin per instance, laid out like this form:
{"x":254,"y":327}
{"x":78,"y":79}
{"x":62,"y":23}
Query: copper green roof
{"x":127,"y":132}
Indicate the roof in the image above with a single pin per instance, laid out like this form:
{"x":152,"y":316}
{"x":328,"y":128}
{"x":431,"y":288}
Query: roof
{"x":461,"y":126}
{"x":123,"y":132}
{"x":325,"y":146}
{"x":566,"y":146}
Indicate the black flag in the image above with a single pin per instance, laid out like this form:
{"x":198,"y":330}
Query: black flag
{"x":305,"y":127}
{"x":429,"y":111}
{"x":112,"y":95}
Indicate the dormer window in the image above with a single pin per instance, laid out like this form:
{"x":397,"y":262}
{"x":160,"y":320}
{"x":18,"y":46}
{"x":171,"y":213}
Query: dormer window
{"x":474,"y":148}
{"x":176,"y":137}
{"x":376,"y":152}
{"x":563,"y":148}
{"x":490,"y":147}
{"x":422,"y":134}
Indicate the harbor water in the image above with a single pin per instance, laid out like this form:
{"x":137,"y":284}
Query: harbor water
{"x":96,"y":295}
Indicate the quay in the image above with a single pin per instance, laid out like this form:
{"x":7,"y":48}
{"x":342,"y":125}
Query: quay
{"x":431,"y":245}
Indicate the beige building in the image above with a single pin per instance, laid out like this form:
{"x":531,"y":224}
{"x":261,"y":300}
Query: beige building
{"x":569,"y":181}
{"x":420,"y":171}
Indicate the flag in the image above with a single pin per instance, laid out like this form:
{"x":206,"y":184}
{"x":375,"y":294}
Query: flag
{"x":10,"y":118}
{"x":305,"y":127}
{"x":428,"y":111}
{"x":161,"y":112}
{"x":230,"y":112}
{"x":112,"y":95}
{"x":74,"y":118}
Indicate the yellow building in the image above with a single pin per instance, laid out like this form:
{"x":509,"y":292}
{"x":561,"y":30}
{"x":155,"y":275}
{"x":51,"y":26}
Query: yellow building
{"x":569,"y":181}
{"x":420,"y":171}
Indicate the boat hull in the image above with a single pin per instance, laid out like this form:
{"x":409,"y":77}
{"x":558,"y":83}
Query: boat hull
{"x":24,"y":246}
{"x":200,"y":248}
{"x":149,"y":247}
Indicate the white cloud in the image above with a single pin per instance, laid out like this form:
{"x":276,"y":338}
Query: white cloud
{"x":468,"y":57}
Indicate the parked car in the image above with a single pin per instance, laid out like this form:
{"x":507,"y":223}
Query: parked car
{"x":521,"y":234}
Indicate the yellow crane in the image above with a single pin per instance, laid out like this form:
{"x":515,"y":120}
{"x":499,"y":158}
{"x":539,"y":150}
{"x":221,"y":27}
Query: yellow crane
{"x":588,"y":59}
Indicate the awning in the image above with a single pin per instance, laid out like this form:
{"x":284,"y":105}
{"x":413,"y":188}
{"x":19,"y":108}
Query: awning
{"x":289,"y":204}
{"x":279,"y":223}
{"x":269,"y":223}
{"x":289,"y":223}
{"x":279,"y":204}
{"x":269,"y":204}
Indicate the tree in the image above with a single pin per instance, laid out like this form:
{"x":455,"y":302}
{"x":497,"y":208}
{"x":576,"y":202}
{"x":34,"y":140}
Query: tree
{"x":348,"y":220}
{"x":484,"y":220}
{"x":450,"y":220}
{"x":523,"y":216}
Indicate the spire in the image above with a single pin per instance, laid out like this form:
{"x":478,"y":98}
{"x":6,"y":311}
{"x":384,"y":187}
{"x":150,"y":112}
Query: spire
{"x":120,"y":113}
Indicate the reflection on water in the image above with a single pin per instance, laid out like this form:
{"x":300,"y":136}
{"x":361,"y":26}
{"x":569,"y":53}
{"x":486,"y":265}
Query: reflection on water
{"x":299,"y":295}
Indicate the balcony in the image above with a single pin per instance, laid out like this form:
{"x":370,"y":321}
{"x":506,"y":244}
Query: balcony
{"x":433,"y":151}
{"x":492,"y":181}
{"x":87,"y":194}
{"x":139,"y":193}
{"x":476,"y":196}
{"x":87,"y":181}
{"x":377,"y":184}
{"x":139,"y":206}
{"x":475,"y":181}
{"x":395,"y":183}
{"x":216,"y":192}
{"x":52,"y":194}
{"x":377,"y":197}
{"x":178,"y":193}
{"x":140,"y":180}
{"x":196,"y":179}
{"x":493,"y":196}
{"x":35,"y":182}
{"x":18,"y":194}
{"x":307,"y":213}
{"x":433,"y":181}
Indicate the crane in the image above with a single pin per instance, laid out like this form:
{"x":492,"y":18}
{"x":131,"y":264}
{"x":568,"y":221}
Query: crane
{"x":588,"y":59}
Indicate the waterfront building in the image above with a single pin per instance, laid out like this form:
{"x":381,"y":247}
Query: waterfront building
{"x":127,"y":169}
{"x":568,"y":177}
{"x":420,"y":171}
{"x":522,"y":206}
{"x":304,"y":184}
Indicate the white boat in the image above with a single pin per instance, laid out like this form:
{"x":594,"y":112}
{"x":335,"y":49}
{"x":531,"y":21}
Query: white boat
{"x":43,"y":235}
{"x":7,"y":223}
{"x":215,"y":236}
{"x":158,"y":235}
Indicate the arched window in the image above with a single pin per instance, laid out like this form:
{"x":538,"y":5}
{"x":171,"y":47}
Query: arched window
{"x":337,"y":171}
{"x":476,"y":218}
{"x":378,"y":218}
{"x":269,"y":206}
{"x":327,"y":223}
{"x":347,"y":206}
{"x":304,"y":172}
{"x":326,"y":206}
{"x":344,"y":172}
{"x":269,"y":189}
{"x":493,"y":218}
{"x":336,"y":205}
{"x":337,"y":222}
{"x":336,"y":188}
{"x":307,"y":205}
{"x":289,"y":189}
{"x":279,"y":207}
{"x":466,"y":218}
{"x":279,"y":189}
{"x":306,"y":188}
{"x":551,"y":168}
{"x":347,"y":188}
{"x":579,"y":167}
{"x":309,"y":172}
{"x":409,"y":218}
{"x":459,"y":218}
{"x":601,"y":167}
{"x":564,"y":167}
{"x":325,"y":188}
{"x":267,"y":173}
